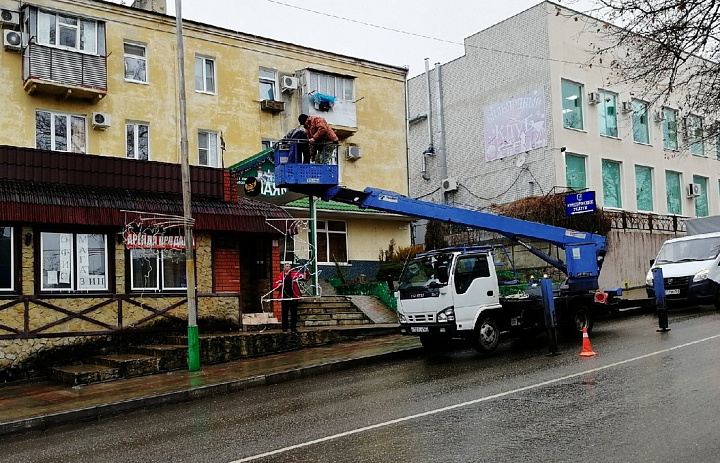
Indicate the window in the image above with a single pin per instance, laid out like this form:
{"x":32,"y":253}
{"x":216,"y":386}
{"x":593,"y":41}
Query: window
{"x":60,"y":132}
{"x":669,"y":129}
{"x":644,"y":188}
{"x":204,"y":74}
{"x":157,"y":269}
{"x":137,"y":136}
{"x":701,"y":202}
{"x":673,"y":189}
{"x":641,"y":132}
{"x":268,"y":84}
{"x":607,"y":111}
{"x":331,"y":241}
{"x":135,"y":62}
{"x":340,"y":87}
{"x":572,"y":105}
{"x":208,"y":149}
{"x":467,"y":269}
{"x":612,"y":190}
{"x":575,"y":175}
{"x":7,"y":259}
{"x":67,"y":31}
{"x":266,"y":144}
{"x":695,"y":135}
{"x":73,"y":262}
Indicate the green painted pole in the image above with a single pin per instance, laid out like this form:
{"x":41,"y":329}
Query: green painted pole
{"x":313,"y":246}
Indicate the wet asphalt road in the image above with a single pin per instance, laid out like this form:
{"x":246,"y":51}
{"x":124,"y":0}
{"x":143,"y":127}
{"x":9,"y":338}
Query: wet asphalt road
{"x":647,"y":397}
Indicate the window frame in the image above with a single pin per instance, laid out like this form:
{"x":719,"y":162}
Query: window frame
{"x":585,"y":176}
{"x":12,"y":259}
{"x":651,"y":174}
{"x":136,"y":139}
{"x":159,"y":257}
{"x":69,"y":131}
{"x":619,"y":184}
{"x":578,"y":105}
{"x":271,"y":81}
{"x":679,"y":192}
{"x":327,"y":233}
{"x":704,"y":196}
{"x":340,"y":85}
{"x":143,"y":58}
{"x":695,"y":123}
{"x":56,"y":25}
{"x":74,"y":264}
{"x":603,"y":115}
{"x":640,"y":110}
{"x":667,"y":130}
{"x":216,"y":136}
{"x":205,"y":59}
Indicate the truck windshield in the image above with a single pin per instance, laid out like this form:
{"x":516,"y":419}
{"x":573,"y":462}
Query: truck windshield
{"x":423,"y":271}
{"x":689,"y":250}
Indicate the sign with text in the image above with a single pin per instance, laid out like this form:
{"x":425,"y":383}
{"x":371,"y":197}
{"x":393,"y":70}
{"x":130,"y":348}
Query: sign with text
{"x":515,"y":126}
{"x":580,"y":203}
{"x":140,"y":240}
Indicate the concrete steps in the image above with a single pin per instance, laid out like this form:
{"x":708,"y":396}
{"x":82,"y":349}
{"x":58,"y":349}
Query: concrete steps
{"x":330,"y":311}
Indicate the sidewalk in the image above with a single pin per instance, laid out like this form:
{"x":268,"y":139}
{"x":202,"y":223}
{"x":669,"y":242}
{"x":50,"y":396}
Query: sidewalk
{"x":39,"y":405}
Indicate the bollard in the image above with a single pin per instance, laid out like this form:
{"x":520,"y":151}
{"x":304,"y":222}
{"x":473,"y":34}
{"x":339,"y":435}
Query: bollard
{"x":660,"y":305}
{"x":549,"y":309}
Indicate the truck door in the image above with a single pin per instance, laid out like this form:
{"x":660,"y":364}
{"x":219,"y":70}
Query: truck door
{"x":475,"y":287}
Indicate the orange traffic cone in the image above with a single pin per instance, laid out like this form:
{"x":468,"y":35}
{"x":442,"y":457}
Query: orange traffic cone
{"x":586,"y":350}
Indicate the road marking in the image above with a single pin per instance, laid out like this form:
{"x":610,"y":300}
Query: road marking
{"x":464,"y":404}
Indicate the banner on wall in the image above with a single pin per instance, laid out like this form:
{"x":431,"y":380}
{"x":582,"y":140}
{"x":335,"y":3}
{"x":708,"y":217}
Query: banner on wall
{"x":515,"y":126}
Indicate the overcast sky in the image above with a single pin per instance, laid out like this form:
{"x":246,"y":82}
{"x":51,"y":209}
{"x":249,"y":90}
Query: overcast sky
{"x":396,"y":32}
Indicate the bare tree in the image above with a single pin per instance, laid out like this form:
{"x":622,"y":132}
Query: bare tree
{"x":667,"y":49}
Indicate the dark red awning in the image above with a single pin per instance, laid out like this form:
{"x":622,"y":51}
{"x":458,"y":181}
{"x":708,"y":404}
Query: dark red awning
{"x":35,"y":202}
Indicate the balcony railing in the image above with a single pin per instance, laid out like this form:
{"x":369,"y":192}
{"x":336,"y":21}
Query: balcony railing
{"x":64,"y":72}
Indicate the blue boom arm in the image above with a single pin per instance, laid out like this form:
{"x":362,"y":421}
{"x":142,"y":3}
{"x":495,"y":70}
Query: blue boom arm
{"x":584,"y":252}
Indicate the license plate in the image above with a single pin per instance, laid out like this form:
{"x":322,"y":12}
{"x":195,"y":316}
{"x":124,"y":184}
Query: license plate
{"x":669,"y":292}
{"x":419,"y":329}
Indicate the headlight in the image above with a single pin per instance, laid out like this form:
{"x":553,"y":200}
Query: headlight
{"x":701,"y":275}
{"x":447,"y":315}
{"x":649,"y":280}
{"x":401,"y":318}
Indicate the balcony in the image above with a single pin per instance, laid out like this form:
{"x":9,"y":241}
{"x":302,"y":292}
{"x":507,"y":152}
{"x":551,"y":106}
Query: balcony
{"x":66,"y":73}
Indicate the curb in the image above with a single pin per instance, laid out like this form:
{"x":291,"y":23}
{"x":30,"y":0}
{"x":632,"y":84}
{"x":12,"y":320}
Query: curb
{"x":96,"y":412}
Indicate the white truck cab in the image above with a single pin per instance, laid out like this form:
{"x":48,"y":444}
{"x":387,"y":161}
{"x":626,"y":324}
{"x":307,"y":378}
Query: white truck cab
{"x":690,"y":267}
{"x":444,"y":294}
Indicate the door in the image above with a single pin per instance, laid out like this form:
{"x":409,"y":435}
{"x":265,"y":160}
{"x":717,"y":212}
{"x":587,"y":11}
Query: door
{"x":474,"y":285}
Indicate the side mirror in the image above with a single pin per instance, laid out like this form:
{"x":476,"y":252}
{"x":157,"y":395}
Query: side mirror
{"x":442,"y":274}
{"x":652,"y":262}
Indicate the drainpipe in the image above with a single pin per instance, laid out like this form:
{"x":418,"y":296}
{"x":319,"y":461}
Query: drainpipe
{"x":442,"y":160}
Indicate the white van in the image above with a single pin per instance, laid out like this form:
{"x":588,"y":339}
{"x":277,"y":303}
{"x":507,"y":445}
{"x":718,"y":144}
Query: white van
{"x":690,"y":265}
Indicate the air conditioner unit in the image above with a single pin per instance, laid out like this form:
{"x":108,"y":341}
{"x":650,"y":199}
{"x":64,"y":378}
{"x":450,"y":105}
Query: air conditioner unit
{"x":353,"y":153}
{"x":449,"y":184}
{"x":9,"y":17}
{"x":100,"y":121}
{"x":659,"y":116}
{"x":626,"y":106}
{"x":288,"y":83}
{"x":12,"y":40}
{"x":272,"y":106}
{"x":593,"y":98}
{"x":693,"y":190}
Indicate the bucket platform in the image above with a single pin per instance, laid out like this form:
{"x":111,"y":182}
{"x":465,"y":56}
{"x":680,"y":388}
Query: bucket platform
{"x":300,"y":177}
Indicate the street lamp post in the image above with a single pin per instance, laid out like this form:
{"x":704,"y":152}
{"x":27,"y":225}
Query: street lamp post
{"x":193,"y":338}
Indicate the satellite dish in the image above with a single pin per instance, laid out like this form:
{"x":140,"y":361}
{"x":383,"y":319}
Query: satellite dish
{"x":520,"y":161}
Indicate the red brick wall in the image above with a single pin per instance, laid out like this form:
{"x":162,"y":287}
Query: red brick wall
{"x":230,"y":188}
{"x":227,"y":270}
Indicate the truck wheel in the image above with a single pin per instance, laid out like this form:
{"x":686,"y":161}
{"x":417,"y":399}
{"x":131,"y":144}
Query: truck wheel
{"x":572,"y":327}
{"x":434,"y":343}
{"x":716,"y":301}
{"x":487,"y":335}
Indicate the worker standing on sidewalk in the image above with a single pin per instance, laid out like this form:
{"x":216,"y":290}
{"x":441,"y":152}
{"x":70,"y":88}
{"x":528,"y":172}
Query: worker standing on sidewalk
{"x":287,"y":283}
